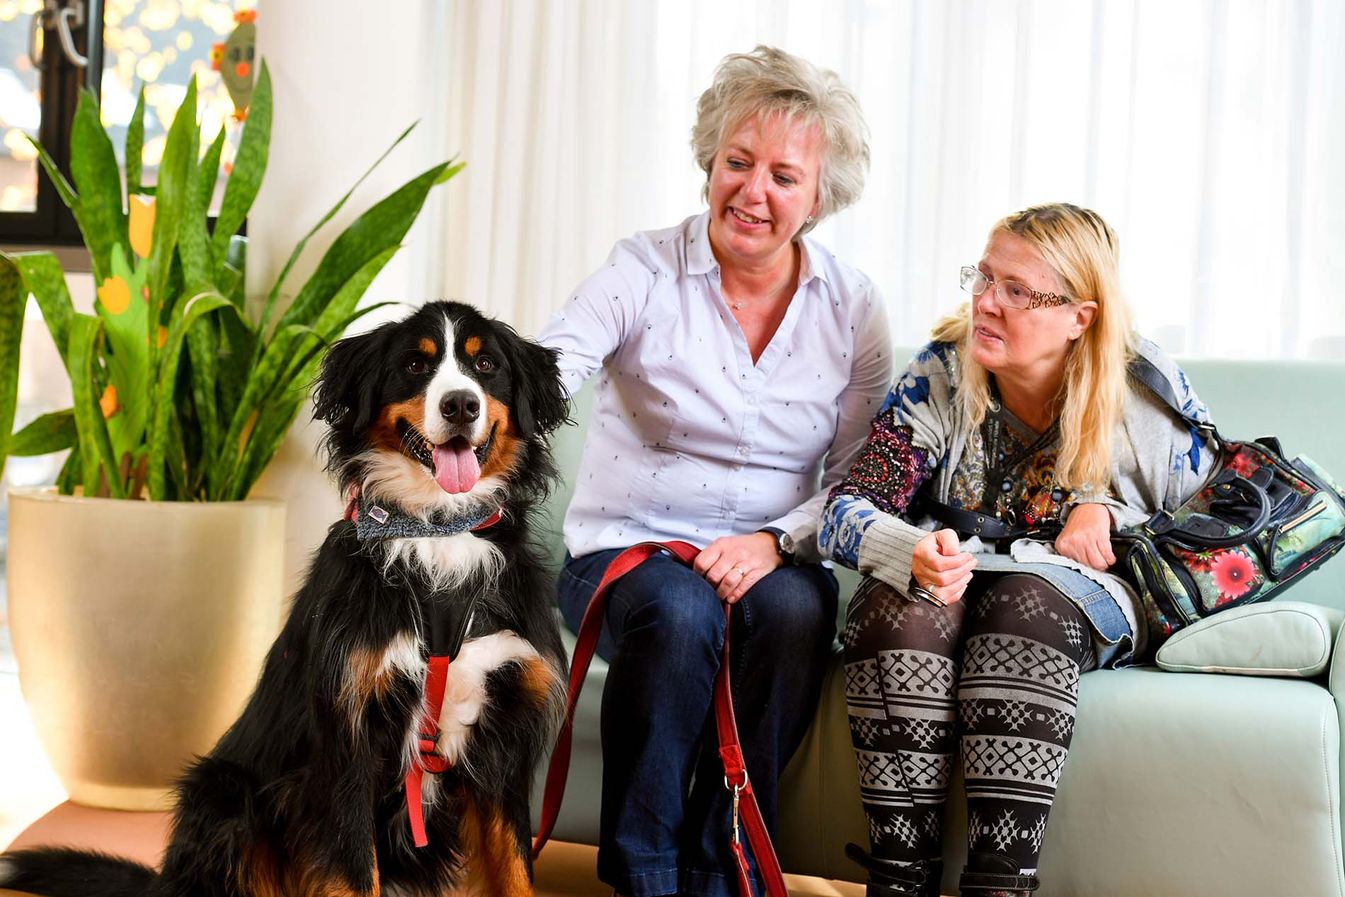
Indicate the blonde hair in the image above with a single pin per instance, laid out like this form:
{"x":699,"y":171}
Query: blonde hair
{"x":768,"y":81}
{"x":1083,"y":252}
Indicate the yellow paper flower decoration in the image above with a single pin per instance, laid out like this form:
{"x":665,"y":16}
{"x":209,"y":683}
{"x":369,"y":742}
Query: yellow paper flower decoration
{"x":115,"y":294}
{"x":142,"y":225}
{"x":108,"y":402}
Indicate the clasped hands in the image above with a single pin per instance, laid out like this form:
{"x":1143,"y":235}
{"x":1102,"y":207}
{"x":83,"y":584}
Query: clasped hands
{"x":733,"y":564}
{"x":943,"y":571}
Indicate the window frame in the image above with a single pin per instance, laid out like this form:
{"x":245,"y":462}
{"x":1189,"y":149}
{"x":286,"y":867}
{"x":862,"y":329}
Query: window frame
{"x":60,"y":81}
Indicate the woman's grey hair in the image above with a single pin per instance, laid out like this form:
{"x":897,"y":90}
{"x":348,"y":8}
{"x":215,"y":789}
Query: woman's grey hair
{"x":768,"y":80}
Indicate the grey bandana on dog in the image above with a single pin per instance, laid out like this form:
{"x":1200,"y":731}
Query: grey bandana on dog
{"x":375,"y":522}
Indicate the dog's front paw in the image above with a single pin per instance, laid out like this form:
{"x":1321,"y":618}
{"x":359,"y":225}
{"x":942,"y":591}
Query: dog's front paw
{"x":465,"y":690}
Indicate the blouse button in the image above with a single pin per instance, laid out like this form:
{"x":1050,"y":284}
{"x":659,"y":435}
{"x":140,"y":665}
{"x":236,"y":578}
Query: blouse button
{"x":1006,"y":486}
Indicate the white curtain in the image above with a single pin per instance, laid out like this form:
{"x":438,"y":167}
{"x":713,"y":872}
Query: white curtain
{"x":1210,"y":134}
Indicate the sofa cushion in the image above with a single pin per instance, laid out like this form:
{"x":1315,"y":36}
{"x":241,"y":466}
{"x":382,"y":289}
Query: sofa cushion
{"x":1277,"y":638}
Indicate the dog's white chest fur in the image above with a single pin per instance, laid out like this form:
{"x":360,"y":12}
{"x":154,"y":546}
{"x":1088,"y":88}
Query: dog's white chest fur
{"x":447,"y":561}
{"x":465,"y":690}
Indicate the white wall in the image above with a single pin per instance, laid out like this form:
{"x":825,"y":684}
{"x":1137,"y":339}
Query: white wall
{"x":349,"y":77}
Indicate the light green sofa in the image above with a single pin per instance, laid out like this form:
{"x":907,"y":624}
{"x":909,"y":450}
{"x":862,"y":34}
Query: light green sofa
{"x":1177,"y":785}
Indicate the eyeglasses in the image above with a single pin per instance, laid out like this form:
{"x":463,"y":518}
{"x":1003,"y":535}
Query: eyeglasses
{"x":1009,"y":293}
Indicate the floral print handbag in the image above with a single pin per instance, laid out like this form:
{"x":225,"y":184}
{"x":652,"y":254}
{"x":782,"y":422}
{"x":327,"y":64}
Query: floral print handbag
{"x":1259,"y":525}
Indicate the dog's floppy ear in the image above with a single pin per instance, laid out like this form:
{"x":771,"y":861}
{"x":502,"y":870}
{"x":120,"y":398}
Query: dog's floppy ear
{"x":346,"y":393}
{"x":540,"y":403}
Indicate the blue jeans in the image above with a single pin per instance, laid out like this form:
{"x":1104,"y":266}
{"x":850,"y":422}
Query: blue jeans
{"x":665,"y":811}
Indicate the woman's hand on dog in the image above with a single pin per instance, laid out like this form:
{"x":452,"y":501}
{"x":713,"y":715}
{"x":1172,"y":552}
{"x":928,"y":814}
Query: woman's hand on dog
{"x":734,"y":564}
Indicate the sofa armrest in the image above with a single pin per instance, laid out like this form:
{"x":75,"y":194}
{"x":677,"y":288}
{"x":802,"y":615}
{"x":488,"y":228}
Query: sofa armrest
{"x":1274,"y":638}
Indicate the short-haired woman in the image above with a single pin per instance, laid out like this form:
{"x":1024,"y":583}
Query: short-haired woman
{"x":740,"y":365}
{"x":1018,"y":415}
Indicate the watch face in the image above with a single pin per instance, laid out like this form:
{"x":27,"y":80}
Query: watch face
{"x":786,"y":543}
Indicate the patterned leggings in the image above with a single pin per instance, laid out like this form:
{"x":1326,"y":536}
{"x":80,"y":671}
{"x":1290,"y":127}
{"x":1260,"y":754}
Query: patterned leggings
{"x":1021,"y":645}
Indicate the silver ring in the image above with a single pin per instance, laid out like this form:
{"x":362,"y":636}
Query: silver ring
{"x":922,"y":593}
{"x":741,"y":572}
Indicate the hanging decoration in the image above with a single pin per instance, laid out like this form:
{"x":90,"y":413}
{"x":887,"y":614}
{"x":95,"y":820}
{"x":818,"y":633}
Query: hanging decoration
{"x":233,"y":59}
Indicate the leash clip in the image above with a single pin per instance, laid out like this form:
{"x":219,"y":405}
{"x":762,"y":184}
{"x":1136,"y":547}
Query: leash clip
{"x":736,"y":789}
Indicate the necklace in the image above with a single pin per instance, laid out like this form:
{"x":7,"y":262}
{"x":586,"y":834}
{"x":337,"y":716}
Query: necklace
{"x":772,"y":294}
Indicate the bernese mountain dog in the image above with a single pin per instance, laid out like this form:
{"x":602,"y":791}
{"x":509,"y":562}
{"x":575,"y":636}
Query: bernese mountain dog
{"x":438,"y":428}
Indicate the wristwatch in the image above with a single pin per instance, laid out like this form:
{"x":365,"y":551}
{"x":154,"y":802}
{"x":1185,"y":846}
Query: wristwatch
{"x":784,"y":543}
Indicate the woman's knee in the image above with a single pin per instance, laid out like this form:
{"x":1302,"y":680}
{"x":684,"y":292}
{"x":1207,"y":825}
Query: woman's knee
{"x":793,"y":604}
{"x":665,"y":599}
{"x":1022,"y":604}
{"x":879,"y":618}
{"x":1023,"y":627}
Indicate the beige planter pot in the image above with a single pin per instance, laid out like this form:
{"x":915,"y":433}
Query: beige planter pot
{"x":139,"y":629}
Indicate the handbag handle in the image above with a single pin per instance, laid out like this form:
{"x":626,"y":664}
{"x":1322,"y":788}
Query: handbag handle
{"x":1190,"y":539}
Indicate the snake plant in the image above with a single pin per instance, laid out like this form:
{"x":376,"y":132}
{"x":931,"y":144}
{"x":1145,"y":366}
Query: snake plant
{"x":179,"y":392}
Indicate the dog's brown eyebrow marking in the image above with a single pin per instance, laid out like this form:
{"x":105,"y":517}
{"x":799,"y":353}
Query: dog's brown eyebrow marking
{"x":472,"y":345}
{"x":428,"y":347}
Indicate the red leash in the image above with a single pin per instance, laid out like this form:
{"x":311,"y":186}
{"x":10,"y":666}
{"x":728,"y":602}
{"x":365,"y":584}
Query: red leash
{"x":746,"y":813}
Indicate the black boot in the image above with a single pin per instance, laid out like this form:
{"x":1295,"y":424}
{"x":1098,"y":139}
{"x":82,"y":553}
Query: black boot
{"x":892,"y":879}
{"x":994,"y":875}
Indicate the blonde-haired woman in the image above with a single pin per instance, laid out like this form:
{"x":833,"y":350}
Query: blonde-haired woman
{"x":1017,"y":418}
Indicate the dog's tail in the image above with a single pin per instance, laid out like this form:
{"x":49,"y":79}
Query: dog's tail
{"x":63,"y":872}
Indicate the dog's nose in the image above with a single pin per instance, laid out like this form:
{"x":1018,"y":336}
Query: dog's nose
{"x":461,"y":407}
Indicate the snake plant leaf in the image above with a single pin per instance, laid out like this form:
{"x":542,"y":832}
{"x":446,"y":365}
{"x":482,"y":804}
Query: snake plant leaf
{"x":260,"y":383}
{"x":207,"y":175}
{"x":194,"y":243}
{"x":13,"y":302}
{"x":164,"y":405}
{"x":177,"y":464}
{"x":238,"y":347}
{"x":203,"y":357}
{"x":171,"y":199}
{"x":51,"y":432}
{"x":210,"y":168}
{"x":121,"y":306}
{"x":303,"y":369}
{"x":135,"y":145}
{"x":63,"y":188}
{"x":95,"y":446}
{"x":367,"y":237}
{"x":249,"y":166}
{"x":68,"y":478}
{"x":281,"y":411}
{"x":331,"y":213}
{"x":273,"y":423}
{"x":331,"y":321}
{"x":337,"y":316}
{"x":452,"y":169}
{"x":43,"y":277}
{"x":97,"y":177}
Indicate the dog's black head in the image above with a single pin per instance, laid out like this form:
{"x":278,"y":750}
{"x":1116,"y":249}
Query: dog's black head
{"x":444,"y":404}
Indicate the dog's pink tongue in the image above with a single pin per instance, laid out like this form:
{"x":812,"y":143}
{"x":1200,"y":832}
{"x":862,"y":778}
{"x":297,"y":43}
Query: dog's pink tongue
{"x":455,"y":467}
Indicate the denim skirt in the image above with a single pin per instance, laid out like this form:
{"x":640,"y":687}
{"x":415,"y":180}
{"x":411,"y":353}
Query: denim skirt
{"x":1116,"y":642}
